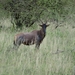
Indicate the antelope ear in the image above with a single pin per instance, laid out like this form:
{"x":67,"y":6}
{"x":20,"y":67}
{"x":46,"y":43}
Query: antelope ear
{"x":40,"y":25}
{"x":47,"y":25}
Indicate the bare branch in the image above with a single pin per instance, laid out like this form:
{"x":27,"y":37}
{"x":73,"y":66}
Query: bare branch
{"x":41,"y":21}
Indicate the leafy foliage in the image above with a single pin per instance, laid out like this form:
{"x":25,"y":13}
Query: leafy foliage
{"x":24,"y":11}
{"x":27,"y":12}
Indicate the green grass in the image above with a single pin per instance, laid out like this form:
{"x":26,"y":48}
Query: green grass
{"x":45,"y":61}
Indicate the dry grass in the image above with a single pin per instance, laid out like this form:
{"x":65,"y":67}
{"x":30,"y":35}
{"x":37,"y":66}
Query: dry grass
{"x":45,"y":61}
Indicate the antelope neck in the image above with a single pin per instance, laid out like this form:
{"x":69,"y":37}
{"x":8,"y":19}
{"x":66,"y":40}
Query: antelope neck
{"x":43,"y":30}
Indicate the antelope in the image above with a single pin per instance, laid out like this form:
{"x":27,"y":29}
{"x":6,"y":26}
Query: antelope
{"x":35,"y":37}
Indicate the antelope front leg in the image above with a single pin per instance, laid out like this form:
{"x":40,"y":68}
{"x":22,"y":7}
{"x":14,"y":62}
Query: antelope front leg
{"x":37,"y":46}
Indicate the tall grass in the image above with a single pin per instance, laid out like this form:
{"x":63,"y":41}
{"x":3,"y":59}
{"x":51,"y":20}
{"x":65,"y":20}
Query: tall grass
{"x":55,"y":56}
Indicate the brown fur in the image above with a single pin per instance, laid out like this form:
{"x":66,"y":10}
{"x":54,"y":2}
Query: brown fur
{"x":34,"y":37}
